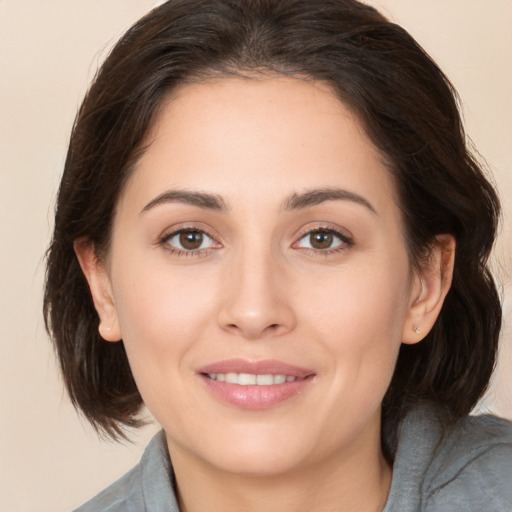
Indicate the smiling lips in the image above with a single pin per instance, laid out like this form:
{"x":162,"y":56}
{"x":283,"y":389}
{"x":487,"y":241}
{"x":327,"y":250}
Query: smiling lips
{"x":254,"y":385}
{"x":249,"y":379}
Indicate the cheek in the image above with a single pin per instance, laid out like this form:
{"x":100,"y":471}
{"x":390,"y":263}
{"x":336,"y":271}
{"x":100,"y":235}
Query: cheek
{"x":358,"y":318}
{"x":161,"y":312}
{"x":358,"y":301}
{"x":162,"y":316}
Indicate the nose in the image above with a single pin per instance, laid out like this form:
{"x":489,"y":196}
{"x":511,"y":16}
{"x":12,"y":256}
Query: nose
{"x":257,"y":301}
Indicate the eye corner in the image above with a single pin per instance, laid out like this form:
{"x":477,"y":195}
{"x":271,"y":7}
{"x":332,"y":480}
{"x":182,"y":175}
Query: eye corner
{"x":188,"y":241}
{"x":330,"y":240}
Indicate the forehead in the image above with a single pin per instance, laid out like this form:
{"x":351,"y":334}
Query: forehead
{"x":251,"y":138}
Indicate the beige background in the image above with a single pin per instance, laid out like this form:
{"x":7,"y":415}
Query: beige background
{"x":50,"y":460}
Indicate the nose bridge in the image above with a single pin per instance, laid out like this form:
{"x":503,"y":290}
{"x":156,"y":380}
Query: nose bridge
{"x":255,"y":302}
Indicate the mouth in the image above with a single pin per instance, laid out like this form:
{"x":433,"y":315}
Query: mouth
{"x":255,"y":385}
{"x":250,"y":379}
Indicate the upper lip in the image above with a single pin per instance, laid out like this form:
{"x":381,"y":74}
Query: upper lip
{"x":263,"y":367}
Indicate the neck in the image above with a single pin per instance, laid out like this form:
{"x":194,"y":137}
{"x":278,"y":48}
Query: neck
{"x":355,"y":482}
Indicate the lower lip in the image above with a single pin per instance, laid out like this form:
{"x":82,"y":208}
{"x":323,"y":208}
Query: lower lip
{"x":254,"y":397}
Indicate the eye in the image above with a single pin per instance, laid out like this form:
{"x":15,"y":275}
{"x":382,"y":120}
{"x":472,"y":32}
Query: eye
{"x":324,"y":239}
{"x":189,"y":240}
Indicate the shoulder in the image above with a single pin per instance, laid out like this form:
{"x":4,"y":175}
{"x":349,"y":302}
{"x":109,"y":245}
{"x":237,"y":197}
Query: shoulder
{"x":472,"y":467}
{"x":461,"y":467}
{"x":148,"y":486}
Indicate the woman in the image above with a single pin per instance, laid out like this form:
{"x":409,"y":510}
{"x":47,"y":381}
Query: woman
{"x":270,"y":232}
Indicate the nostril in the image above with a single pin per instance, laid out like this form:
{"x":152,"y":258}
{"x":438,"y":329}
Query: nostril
{"x":272,"y":328}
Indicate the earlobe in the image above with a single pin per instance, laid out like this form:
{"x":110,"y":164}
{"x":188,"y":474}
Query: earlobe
{"x":432,"y":283}
{"x":101,"y":290}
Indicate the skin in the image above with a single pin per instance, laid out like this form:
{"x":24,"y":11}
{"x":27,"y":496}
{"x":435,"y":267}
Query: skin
{"x":259,"y":288}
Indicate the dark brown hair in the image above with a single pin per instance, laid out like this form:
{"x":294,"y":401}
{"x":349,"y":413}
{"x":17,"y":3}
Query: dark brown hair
{"x":408,"y":108}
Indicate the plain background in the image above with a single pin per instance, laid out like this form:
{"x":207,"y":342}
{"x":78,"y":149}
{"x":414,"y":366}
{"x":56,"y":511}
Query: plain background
{"x":50,"y":459}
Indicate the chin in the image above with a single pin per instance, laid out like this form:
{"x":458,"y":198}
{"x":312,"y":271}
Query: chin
{"x":263,"y":462}
{"x":251,"y":451}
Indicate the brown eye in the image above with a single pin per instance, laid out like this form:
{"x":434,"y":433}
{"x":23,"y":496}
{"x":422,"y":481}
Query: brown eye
{"x":189,"y":240}
{"x":321,"y":239}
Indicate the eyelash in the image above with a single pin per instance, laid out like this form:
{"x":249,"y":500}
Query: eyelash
{"x":346,"y":242}
{"x":164,"y":241}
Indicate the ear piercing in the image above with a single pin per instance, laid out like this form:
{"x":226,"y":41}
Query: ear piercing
{"x":417,"y":330}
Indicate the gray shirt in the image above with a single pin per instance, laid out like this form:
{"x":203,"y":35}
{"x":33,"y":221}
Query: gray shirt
{"x":466,"y":468}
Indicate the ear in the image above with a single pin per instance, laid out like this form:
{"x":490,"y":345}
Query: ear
{"x":101,"y":289}
{"x":430,"y":286}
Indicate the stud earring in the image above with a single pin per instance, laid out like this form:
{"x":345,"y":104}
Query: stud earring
{"x":417,"y":330}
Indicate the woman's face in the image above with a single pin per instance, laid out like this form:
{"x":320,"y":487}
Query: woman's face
{"x":259,"y":276}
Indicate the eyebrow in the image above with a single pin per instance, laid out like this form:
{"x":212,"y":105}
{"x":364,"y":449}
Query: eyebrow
{"x":294,"y":202}
{"x":199,"y":199}
{"x":318,"y":196}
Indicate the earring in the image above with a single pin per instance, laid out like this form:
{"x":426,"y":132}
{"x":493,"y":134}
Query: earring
{"x":417,"y":330}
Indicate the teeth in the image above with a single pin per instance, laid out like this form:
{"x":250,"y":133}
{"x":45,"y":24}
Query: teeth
{"x":249,"y":379}
{"x":246,"y":379}
{"x":264,"y":380}
{"x":232,"y":378}
{"x":279,"y":379}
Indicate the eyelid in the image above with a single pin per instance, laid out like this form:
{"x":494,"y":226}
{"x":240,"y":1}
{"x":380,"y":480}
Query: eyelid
{"x":325,"y":226}
{"x":347,"y":239}
{"x":175,"y":230}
